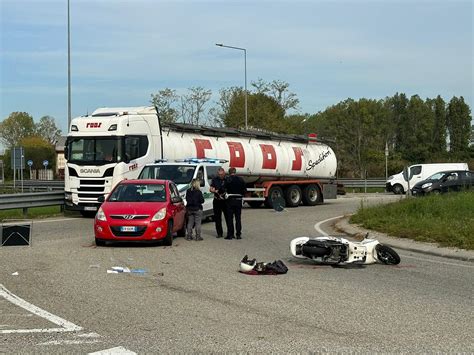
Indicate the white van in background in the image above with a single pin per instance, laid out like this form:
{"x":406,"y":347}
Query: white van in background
{"x":419,"y":172}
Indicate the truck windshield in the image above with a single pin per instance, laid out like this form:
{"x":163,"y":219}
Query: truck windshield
{"x":94,"y":150}
{"x":179,"y":174}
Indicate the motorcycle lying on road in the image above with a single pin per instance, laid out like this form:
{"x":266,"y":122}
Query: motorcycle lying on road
{"x":341,"y":251}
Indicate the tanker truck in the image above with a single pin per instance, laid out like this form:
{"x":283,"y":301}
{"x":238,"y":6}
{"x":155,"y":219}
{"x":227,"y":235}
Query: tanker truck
{"x":113,"y":144}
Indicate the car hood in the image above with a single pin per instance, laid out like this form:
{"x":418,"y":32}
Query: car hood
{"x":421,"y":183}
{"x":149,"y":208}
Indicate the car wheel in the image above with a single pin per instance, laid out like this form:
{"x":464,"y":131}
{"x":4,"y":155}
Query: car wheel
{"x":99,"y":242}
{"x":168,"y":241}
{"x":182,"y":232}
{"x":293,"y":196}
{"x":398,"y":189}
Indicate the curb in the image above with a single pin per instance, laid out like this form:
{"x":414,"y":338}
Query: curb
{"x":344,"y":226}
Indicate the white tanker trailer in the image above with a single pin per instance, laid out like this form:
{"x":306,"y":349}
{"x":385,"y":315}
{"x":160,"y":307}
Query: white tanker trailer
{"x":116,"y":143}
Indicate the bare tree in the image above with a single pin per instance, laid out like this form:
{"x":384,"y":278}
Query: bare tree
{"x":193,"y":104}
{"x":164,"y":101}
{"x":261,"y":86}
{"x":287,"y":99}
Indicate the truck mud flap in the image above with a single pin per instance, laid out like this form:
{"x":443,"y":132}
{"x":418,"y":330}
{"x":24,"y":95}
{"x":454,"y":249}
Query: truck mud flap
{"x":329,"y":191}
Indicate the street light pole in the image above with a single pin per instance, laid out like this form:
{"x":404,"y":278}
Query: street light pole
{"x":68,"y":70}
{"x":245,"y":75}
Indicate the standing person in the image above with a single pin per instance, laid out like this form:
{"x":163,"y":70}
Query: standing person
{"x":219,"y":206}
{"x":194,"y":201}
{"x":236,"y":188}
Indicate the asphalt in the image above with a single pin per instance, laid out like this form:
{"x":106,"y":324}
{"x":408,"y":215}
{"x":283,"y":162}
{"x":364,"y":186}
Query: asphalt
{"x":343,"y":225}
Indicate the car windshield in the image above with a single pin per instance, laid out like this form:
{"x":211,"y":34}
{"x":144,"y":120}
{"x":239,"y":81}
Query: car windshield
{"x":436,"y":176}
{"x":138,"y":193}
{"x":179,"y":174}
{"x":94,"y":150}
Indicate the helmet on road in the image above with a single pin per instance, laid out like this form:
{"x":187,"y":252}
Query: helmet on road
{"x":247,"y":265}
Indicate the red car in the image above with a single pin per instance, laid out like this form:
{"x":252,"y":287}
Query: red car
{"x":141,"y":210}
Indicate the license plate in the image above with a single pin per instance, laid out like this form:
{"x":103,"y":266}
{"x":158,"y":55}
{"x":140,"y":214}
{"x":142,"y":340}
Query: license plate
{"x":128,"y":229}
{"x":90,"y":208}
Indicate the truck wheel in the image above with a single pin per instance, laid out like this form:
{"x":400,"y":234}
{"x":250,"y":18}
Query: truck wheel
{"x":273,"y":193}
{"x":293,"y":196}
{"x":398,"y":189}
{"x":311,"y":195}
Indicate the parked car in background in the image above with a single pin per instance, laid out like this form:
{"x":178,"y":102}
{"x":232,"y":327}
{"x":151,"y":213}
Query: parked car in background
{"x":445,"y":181}
{"x":140,"y":210}
{"x":419,"y":172}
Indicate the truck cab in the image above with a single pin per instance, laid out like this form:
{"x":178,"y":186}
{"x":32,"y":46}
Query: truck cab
{"x":182,"y":172}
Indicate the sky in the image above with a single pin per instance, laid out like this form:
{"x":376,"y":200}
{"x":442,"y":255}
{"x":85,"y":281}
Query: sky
{"x":122,"y":51}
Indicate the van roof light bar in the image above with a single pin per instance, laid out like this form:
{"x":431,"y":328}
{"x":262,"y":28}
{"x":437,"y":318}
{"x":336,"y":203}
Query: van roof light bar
{"x":202,"y":160}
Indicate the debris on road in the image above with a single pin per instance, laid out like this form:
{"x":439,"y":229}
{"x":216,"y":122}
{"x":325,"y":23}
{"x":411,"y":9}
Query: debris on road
{"x":15,"y":273}
{"x":251,"y":267}
{"x":120,"y":269}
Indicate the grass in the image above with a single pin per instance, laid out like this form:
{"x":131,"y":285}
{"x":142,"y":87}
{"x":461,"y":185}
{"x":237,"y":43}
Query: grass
{"x":34,"y":212}
{"x":363,"y":190}
{"x":445,"y":219}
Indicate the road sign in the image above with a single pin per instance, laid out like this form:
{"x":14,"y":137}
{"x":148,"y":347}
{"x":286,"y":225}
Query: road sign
{"x":30,"y":163}
{"x":18,"y":158}
{"x":45,"y":163}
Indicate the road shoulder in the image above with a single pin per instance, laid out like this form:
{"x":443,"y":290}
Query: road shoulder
{"x":344,"y":226}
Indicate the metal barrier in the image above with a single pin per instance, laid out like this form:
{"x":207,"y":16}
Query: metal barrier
{"x":29,"y":200}
{"x":362,"y":183}
{"x":36,"y":185}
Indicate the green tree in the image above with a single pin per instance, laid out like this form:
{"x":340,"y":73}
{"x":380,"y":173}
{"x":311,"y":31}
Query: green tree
{"x":459,"y":126}
{"x":277,"y":89}
{"x":36,"y":149}
{"x":47,"y":129}
{"x":165,"y":101}
{"x":221,"y":110}
{"x":418,"y":131}
{"x":15,"y":127}
{"x":438,"y":140}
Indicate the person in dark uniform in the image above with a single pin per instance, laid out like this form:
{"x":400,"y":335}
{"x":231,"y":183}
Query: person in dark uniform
{"x":236,"y":189}
{"x":219,"y":205}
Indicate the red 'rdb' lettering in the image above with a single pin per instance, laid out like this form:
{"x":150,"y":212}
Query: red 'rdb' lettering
{"x":298,"y":162}
{"x":201,"y":146}
{"x":237,"y":155}
{"x":269,"y":156}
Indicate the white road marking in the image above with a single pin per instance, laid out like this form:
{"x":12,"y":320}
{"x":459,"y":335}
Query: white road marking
{"x":88,"y":335}
{"x":116,"y":350}
{"x":318,"y":228}
{"x":65,"y":325}
{"x":70,"y":342}
{"x":57,"y":220}
{"x":437,"y":262}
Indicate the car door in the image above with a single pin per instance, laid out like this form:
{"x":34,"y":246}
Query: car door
{"x":177,"y":207}
{"x":451,"y":182}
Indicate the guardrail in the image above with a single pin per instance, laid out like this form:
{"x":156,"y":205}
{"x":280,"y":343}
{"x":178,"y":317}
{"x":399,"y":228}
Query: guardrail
{"x":29,"y":200}
{"x":36,"y":185}
{"x":362,"y":182}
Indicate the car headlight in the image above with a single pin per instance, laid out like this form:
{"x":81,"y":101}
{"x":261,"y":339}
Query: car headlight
{"x":428,"y":184}
{"x":100,"y":215}
{"x":161,"y":214}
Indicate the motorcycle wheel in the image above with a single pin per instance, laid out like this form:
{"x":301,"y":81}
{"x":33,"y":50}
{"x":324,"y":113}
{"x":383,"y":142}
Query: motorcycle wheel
{"x":387,"y":255}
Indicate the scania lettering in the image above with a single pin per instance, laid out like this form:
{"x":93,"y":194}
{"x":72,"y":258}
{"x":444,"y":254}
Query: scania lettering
{"x":116,"y":143}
